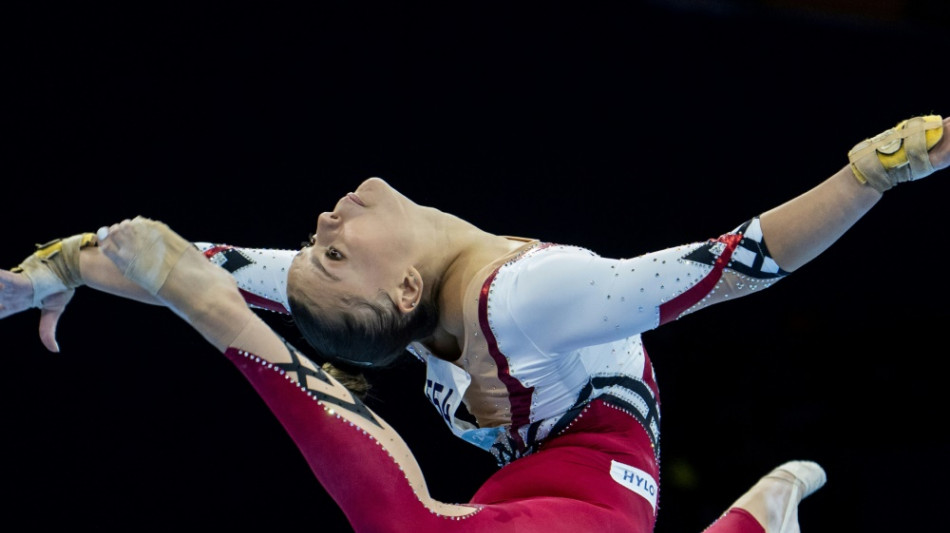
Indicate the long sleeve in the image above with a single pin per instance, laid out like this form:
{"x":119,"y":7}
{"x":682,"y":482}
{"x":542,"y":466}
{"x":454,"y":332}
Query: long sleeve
{"x":261,"y":273}
{"x":573,"y":298}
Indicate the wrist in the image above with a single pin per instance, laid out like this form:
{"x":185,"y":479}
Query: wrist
{"x":54,"y":267}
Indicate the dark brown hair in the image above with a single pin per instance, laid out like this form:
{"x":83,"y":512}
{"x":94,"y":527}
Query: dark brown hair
{"x":358,"y":332}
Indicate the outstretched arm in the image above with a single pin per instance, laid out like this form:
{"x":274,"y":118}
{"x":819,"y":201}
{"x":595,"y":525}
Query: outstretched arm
{"x":361,"y":460}
{"x":802,"y":228}
{"x":613,"y":299}
{"x":46,"y":280}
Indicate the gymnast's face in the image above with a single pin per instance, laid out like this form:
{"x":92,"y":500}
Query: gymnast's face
{"x":360,"y":248}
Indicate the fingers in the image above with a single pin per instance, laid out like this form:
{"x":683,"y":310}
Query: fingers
{"x":114,"y":242}
{"x":103,"y":233}
{"x":144,"y":250}
{"x":16,"y":293}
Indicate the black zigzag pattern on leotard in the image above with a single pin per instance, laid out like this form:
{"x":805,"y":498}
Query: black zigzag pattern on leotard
{"x":648,"y":420}
{"x":505,"y":452}
{"x":710,"y":252}
{"x":356,"y":406}
{"x":583,"y":398}
{"x":639,"y":389}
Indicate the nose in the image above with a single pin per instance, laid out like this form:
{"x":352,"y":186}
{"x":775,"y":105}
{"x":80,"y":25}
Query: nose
{"x":328,"y":225}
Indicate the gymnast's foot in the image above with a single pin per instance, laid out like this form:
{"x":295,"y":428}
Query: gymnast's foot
{"x":774,"y":499}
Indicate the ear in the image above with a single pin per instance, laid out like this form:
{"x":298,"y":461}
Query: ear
{"x":409,"y":293}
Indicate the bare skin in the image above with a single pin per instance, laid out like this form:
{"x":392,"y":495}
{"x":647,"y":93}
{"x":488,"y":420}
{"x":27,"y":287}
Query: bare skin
{"x":449,"y":251}
{"x":431,"y":251}
{"x":206,"y":296}
{"x":797,"y":231}
{"x":802,"y":228}
{"x":773,"y":500}
{"x":379,"y":240}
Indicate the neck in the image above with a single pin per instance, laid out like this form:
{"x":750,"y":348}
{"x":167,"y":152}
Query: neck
{"x":459,"y":251}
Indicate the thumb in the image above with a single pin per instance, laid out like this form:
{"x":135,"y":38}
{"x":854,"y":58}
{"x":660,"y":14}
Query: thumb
{"x":53,"y":307}
{"x":48,"y":320}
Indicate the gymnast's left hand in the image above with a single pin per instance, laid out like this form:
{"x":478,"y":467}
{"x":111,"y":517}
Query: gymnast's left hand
{"x":122,"y":242}
{"x":145,"y":251}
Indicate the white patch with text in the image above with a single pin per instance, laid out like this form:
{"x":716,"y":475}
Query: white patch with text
{"x":636,"y":480}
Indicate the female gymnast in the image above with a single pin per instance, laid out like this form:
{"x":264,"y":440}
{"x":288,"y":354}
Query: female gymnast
{"x":540,"y":342}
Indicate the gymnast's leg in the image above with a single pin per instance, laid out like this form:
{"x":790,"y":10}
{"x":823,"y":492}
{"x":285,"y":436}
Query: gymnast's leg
{"x":361,"y":461}
{"x":371,"y":474}
{"x":771,"y":505}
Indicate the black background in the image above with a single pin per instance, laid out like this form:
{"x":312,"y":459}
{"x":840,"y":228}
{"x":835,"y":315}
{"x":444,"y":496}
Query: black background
{"x":623,"y":127}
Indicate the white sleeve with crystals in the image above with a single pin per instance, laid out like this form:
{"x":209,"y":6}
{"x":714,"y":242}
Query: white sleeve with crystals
{"x":562,"y":298}
{"x":261,"y":273}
